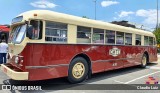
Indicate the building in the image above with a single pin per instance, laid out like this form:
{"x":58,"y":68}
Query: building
{"x":123,"y":23}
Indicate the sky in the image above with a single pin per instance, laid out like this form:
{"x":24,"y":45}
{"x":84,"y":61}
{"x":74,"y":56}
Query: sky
{"x":139,"y":12}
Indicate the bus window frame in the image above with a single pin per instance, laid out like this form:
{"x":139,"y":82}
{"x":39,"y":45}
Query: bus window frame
{"x":152,"y":41}
{"x":106,"y":38}
{"x":131,"y":39}
{"x":58,"y":29}
{"x":40,"y":27}
{"x":139,"y":40}
{"x":97,"y":31}
{"x":123,"y":43}
{"x":146,"y":44}
{"x":81,"y":37}
{"x":14,"y":35}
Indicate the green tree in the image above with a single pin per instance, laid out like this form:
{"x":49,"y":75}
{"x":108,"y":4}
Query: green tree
{"x":157,"y":34}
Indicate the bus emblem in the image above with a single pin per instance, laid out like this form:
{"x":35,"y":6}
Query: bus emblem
{"x":114,"y":52}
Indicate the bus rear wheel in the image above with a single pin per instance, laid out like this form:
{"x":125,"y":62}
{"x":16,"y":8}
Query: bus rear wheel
{"x":144,"y":61}
{"x":78,"y":70}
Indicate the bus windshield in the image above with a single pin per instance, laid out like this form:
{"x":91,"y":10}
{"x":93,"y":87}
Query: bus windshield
{"x":17,"y":34}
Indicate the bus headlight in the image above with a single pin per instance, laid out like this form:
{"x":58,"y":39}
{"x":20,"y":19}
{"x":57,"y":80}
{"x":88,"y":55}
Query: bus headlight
{"x":16,"y":60}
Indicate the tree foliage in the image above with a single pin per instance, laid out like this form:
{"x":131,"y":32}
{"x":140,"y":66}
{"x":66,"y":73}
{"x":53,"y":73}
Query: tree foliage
{"x":157,"y":34}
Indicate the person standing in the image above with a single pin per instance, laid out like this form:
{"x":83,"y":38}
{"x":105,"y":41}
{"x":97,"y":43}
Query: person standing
{"x":3,"y":51}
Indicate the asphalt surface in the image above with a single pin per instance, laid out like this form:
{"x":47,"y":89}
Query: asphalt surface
{"x":127,"y":76}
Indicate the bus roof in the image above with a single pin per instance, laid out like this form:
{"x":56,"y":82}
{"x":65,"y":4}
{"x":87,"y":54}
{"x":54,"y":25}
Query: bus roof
{"x":74,"y":20}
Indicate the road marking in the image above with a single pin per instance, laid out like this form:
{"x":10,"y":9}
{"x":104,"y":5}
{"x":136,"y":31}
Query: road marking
{"x":119,"y":81}
{"x":141,"y":77}
{"x":151,"y":67}
{"x":148,"y":67}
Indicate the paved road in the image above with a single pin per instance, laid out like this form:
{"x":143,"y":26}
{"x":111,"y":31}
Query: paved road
{"x":132,"y":75}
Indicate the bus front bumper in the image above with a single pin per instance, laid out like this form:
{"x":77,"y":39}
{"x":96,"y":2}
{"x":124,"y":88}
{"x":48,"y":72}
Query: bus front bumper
{"x":15,"y":75}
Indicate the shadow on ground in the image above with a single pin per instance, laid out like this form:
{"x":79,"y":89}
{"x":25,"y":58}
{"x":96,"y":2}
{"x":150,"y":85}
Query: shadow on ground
{"x":63,"y":84}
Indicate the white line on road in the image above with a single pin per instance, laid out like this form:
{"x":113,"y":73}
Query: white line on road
{"x":119,"y":82}
{"x":148,"y":67}
{"x":141,"y":77}
{"x":151,"y":67}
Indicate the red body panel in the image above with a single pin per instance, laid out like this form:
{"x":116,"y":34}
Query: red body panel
{"x":45,"y":61}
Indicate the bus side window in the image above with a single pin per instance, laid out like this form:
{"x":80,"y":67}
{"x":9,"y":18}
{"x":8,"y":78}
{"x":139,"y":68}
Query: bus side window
{"x":138,"y":40}
{"x":56,"y":32}
{"x":128,"y":39}
{"x":154,"y":41}
{"x":120,"y":38}
{"x":83,"y":34}
{"x":146,"y":40}
{"x":151,"y":41}
{"x":98,"y":36}
{"x":37,"y":29}
{"x":110,"y":37}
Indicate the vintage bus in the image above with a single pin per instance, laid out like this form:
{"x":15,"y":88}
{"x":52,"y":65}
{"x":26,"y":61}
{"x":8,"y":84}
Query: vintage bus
{"x":4,"y":32}
{"x":44,"y":44}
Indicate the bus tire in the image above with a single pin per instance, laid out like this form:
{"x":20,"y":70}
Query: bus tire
{"x":78,"y":70}
{"x":144,"y":61}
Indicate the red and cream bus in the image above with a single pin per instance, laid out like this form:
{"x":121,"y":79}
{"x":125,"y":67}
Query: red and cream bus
{"x":45,"y":44}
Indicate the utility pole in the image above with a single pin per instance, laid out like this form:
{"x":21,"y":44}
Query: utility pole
{"x":157,"y":16}
{"x":95,"y":1}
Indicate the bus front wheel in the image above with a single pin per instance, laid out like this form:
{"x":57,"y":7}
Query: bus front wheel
{"x":144,"y":61}
{"x":78,"y":70}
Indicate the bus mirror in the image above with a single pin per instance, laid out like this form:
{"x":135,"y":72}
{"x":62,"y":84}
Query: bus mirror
{"x":29,"y":31}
